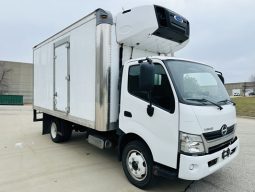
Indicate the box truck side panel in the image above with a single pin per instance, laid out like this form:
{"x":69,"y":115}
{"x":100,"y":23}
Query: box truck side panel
{"x":64,"y":73}
{"x":82,"y":71}
{"x":43,"y":77}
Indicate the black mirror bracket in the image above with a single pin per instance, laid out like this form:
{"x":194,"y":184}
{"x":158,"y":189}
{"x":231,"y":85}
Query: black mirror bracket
{"x":146,"y":59}
{"x":149,"y":60}
{"x":150,"y":109}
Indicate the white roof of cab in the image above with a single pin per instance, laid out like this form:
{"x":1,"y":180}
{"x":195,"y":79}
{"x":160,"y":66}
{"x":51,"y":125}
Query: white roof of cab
{"x":168,"y":58}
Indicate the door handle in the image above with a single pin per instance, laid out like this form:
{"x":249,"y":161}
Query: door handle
{"x":127,"y":114}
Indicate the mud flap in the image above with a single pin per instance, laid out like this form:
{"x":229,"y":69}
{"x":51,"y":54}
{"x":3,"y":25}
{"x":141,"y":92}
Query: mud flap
{"x":46,"y":124}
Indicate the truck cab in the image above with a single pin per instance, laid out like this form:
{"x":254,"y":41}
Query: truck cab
{"x":183,"y":116}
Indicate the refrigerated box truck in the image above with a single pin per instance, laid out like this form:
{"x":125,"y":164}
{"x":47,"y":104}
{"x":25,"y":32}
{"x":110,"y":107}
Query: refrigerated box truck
{"x":115,"y":78}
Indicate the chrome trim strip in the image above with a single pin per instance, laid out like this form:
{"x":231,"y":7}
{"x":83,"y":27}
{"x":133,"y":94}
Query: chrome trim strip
{"x":61,"y":115}
{"x":103,"y":74}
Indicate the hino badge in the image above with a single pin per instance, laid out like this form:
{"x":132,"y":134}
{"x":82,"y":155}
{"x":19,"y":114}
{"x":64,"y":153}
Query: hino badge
{"x":111,"y":77}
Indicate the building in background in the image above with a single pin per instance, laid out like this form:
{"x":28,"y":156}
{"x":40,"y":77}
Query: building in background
{"x":16,"y":78}
{"x":240,"y":89}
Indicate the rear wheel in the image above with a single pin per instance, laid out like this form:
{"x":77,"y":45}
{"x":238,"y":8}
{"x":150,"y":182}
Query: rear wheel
{"x":137,"y":164}
{"x":60,"y":131}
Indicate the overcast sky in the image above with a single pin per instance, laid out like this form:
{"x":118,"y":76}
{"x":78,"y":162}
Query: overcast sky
{"x":222,"y":31}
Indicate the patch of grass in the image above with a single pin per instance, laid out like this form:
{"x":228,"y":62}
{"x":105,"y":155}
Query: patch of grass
{"x":245,"y":106}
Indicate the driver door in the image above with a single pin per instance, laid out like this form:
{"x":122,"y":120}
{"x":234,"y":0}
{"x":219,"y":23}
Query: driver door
{"x":160,"y":131}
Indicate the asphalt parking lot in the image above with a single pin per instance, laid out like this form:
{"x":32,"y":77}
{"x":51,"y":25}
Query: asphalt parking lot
{"x":31,"y":162}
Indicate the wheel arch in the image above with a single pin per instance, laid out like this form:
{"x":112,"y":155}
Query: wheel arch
{"x":124,"y":139}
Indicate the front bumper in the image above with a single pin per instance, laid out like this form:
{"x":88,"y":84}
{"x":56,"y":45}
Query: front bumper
{"x":197,"y":167}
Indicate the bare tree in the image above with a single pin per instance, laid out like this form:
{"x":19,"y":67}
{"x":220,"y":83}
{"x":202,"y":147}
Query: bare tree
{"x":3,"y":78}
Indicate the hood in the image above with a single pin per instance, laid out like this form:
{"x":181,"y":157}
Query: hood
{"x":202,"y":119}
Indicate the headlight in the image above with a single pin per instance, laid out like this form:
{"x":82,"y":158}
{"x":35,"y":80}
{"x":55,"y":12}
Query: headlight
{"x":191,"y":143}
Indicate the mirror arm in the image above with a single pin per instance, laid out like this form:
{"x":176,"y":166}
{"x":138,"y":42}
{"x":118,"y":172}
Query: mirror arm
{"x":149,"y":60}
{"x":146,"y":59}
{"x":150,"y":109}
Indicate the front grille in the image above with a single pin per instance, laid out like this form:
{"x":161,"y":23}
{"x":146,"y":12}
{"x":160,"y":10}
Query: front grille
{"x":217,"y":134}
{"x":221,"y":146}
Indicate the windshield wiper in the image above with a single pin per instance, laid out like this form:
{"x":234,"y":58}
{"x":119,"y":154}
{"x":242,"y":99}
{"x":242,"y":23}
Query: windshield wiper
{"x":227,"y":101}
{"x":206,"y":100}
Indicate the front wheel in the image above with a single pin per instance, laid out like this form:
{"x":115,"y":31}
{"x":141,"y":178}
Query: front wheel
{"x":137,"y":164}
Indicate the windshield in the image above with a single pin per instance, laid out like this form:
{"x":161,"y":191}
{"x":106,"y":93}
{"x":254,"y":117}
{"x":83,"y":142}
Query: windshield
{"x":195,"y":83}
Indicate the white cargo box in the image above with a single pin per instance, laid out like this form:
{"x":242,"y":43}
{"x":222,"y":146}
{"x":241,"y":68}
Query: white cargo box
{"x":76,"y":71}
{"x":72,"y":73}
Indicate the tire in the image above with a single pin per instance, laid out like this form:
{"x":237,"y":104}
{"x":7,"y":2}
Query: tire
{"x":137,"y":164}
{"x":59,"y":131}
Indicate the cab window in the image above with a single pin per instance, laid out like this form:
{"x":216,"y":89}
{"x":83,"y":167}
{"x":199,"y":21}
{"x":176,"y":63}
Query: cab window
{"x":162,"y":94}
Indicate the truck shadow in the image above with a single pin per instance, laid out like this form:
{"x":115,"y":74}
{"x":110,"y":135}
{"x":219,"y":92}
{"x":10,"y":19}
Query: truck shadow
{"x":78,"y":141}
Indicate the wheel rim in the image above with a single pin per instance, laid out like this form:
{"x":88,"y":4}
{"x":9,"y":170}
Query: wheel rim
{"x":136,"y":165}
{"x":53,"y":130}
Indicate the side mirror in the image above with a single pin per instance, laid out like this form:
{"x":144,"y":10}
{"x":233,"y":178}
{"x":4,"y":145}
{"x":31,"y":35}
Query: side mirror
{"x":146,"y":79}
{"x":146,"y":82}
{"x":220,"y":76}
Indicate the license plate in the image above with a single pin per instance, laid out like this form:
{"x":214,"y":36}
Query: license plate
{"x":225,"y":153}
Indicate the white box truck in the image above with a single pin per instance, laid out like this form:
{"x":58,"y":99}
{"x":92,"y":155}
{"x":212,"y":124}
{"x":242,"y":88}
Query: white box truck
{"x":113,"y":77}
